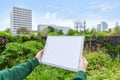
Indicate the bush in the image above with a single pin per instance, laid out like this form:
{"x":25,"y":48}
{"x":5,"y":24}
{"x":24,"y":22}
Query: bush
{"x":97,"y":61}
{"x":102,"y":67}
{"x":13,"y":50}
{"x":24,"y":37}
{"x":32,"y":46}
{"x":53,"y":34}
{"x":3,"y":42}
{"x":15,"y":53}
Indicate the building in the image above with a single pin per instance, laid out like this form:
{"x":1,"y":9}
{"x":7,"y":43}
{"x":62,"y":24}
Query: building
{"x":64,"y":29}
{"x":98,"y":27}
{"x":20,"y":17}
{"x":103,"y":26}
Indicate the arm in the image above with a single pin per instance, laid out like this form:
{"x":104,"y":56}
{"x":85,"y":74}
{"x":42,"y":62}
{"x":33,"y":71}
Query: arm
{"x":19,"y":72}
{"x":81,"y":75}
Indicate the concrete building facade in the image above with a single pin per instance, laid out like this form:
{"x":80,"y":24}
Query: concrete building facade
{"x":20,"y":17}
{"x":103,"y":26}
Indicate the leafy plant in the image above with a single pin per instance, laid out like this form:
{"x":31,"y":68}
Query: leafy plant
{"x":118,"y":50}
{"x":3,"y":42}
{"x":71,"y":32}
{"x":13,"y":50}
{"x":108,"y":46}
{"x":53,"y":34}
{"x":32,"y":47}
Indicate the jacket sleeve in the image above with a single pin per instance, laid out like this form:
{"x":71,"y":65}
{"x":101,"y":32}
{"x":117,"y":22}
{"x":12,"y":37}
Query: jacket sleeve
{"x":19,"y":72}
{"x":80,"y":76}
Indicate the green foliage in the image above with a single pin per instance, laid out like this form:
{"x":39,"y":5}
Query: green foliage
{"x":92,"y":31}
{"x":71,"y":32}
{"x":32,"y":47}
{"x":24,"y":37}
{"x":3,"y":42}
{"x":108,"y":46}
{"x":102,"y":67}
{"x":13,"y":50}
{"x":23,"y":30}
{"x":116,"y":31}
{"x":50,"y":29}
{"x":4,"y":34}
{"x":44,"y":72}
{"x":60,"y":32}
{"x":33,"y":36}
{"x":53,"y":34}
{"x":118,"y":50}
{"x":7,"y":30}
{"x":101,"y":34}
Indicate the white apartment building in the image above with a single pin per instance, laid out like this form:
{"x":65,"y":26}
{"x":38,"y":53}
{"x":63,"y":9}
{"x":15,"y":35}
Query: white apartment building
{"x":20,"y":17}
{"x":42,"y":26}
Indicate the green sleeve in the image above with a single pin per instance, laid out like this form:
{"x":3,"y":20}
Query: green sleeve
{"x":19,"y":72}
{"x":80,"y":76}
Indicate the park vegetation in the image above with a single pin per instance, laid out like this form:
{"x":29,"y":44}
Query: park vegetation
{"x":102,"y":50}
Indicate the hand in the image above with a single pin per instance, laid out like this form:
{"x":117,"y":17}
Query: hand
{"x":39,"y":55}
{"x":83,"y":64}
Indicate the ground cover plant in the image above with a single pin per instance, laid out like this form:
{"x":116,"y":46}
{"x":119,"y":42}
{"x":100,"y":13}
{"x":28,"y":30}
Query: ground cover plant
{"x":18,"y":49}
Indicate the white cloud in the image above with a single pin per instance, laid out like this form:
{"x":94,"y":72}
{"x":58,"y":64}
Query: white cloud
{"x":49,"y":15}
{"x":102,"y":7}
{"x":52,"y":18}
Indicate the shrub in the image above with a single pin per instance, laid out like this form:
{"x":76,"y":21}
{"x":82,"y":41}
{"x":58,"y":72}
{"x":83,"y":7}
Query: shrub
{"x":3,"y":42}
{"x":24,"y":37}
{"x":32,"y":47}
{"x":53,"y":34}
{"x":118,"y":50}
{"x":102,"y":67}
{"x":102,"y":34}
{"x":13,"y":49}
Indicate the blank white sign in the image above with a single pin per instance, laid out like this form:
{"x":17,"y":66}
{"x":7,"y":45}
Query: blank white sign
{"x":63,"y":51}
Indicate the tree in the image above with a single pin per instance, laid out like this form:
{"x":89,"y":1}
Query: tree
{"x":50,"y":29}
{"x":23,"y":30}
{"x":60,"y":32}
{"x":76,"y":25}
{"x":71,"y":32}
{"x":116,"y":31}
{"x":86,"y":32}
{"x":93,"y":31}
{"x":7,"y":30}
{"x":53,"y":34}
{"x":84,"y":25}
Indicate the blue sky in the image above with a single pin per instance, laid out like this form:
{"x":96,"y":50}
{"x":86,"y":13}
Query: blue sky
{"x":63,"y":12}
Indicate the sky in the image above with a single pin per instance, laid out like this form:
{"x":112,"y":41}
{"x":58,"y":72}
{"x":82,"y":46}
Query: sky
{"x":63,"y":12}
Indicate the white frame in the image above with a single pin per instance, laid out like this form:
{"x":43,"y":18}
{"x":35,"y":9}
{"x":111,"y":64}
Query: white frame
{"x":59,"y":50}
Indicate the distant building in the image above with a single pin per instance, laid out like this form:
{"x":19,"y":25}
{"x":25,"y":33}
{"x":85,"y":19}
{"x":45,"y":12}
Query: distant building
{"x":103,"y":26}
{"x":20,"y":17}
{"x":99,"y":27}
{"x":42,"y":26}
